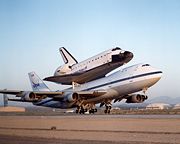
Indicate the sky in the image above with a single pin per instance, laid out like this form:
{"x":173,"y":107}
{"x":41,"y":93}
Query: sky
{"x":32,"y":31}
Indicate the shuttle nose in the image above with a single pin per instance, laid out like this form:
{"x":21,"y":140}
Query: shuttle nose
{"x":128,"y":54}
{"x":123,"y":56}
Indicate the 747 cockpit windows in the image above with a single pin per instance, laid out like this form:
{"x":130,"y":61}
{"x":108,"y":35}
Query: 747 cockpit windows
{"x":145,"y":65}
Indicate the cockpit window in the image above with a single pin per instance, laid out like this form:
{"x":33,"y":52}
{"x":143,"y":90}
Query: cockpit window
{"x":145,"y":65}
{"x":117,"y":48}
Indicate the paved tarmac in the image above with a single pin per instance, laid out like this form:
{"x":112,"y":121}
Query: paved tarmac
{"x":90,"y":129}
{"x":35,"y":140}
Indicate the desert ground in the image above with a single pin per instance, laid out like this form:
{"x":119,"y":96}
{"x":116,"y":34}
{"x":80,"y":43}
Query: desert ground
{"x":89,"y":129}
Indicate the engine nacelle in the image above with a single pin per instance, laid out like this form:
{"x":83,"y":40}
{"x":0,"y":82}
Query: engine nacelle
{"x":64,"y":69}
{"x":137,"y":98}
{"x":72,"y":97}
{"x":28,"y":96}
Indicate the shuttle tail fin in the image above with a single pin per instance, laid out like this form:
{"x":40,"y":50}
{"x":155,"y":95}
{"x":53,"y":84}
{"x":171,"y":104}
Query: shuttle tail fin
{"x":36,"y":83}
{"x":67,"y":57}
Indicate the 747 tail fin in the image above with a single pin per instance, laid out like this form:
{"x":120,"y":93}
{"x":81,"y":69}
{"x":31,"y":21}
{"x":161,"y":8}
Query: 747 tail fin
{"x":36,"y":83}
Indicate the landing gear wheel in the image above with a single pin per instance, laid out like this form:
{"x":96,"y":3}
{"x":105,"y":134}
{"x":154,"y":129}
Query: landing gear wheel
{"x":95,"y":110}
{"x":107,"y":110}
{"x":91,"y":111}
{"x":81,"y":111}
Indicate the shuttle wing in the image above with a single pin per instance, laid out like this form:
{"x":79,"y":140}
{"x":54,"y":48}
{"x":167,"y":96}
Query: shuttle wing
{"x":82,"y":77}
{"x":68,"y":79}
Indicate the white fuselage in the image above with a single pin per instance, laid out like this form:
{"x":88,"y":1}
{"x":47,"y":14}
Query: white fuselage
{"x":117,"y":85}
{"x":93,"y":62}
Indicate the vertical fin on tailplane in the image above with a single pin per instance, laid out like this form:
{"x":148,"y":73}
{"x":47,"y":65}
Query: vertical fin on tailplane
{"x":67,"y":57}
{"x":36,"y":83}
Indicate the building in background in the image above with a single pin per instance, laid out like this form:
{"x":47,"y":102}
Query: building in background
{"x":177,"y":106}
{"x":158,"y":106}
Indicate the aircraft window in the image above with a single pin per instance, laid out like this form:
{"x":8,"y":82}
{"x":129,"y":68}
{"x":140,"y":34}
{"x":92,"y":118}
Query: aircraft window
{"x":117,"y":48}
{"x":145,"y":65}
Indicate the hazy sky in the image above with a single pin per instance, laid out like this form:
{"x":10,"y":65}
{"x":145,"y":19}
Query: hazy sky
{"x":32,"y":31}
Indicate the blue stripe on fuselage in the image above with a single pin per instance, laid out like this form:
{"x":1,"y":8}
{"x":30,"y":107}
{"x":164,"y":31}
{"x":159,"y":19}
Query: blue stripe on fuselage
{"x":124,"y":79}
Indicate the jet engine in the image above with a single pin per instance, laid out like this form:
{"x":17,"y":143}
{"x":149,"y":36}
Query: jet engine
{"x":137,"y":98}
{"x":72,"y":97}
{"x":28,"y":96}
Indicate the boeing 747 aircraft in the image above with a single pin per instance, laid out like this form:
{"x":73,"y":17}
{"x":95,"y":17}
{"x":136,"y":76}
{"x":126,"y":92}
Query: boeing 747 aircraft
{"x":122,"y":84}
{"x":93,"y":68}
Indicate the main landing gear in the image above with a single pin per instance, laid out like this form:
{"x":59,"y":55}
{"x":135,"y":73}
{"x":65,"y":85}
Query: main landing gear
{"x":108,"y":108}
{"x":91,"y":109}
{"x":85,"y":110}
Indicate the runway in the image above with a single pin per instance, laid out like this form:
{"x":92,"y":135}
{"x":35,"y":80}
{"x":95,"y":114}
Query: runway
{"x":91,"y":129}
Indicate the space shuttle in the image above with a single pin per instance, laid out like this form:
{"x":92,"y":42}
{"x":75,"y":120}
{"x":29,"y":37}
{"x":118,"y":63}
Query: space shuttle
{"x":90,"y":69}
